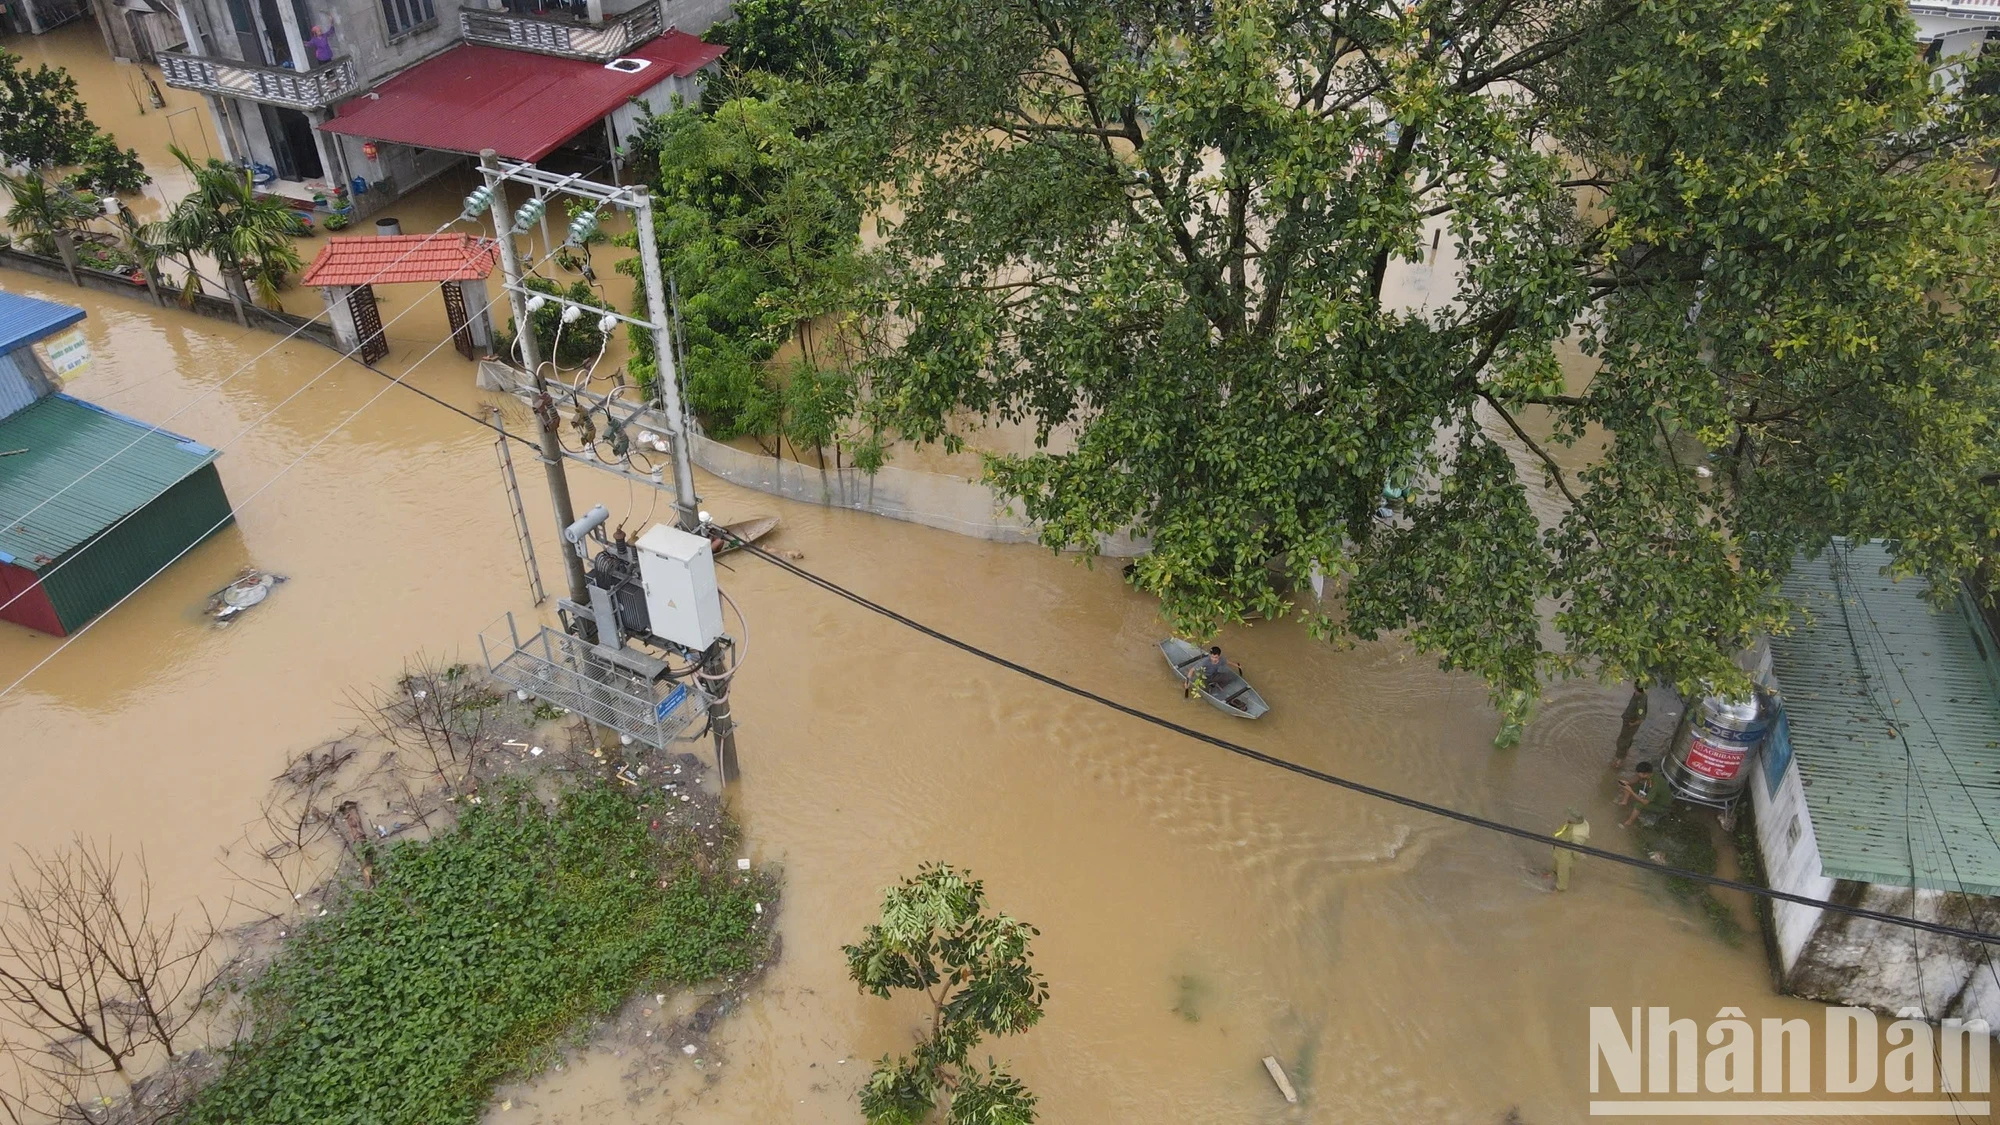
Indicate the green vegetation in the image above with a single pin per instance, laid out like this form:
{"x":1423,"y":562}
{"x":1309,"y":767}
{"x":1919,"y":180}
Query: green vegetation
{"x":787,"y":38}
{"x":471,"y":954}
{"x":1169,"y":231}
{"x":570,"y":345}
{"x":1684,"y":835}
{"x":936,"y":937}
{"x":43,"y":125}
{"x":761,"y":241}
{"x":248,"y":236}
{"x":44,"y":216}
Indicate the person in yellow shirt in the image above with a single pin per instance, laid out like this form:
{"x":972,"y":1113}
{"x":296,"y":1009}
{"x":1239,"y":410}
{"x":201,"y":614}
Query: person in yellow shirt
{"x":1577,"y":831}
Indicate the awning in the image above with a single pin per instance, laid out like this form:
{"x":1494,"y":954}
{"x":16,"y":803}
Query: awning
{"x":521,"y":105}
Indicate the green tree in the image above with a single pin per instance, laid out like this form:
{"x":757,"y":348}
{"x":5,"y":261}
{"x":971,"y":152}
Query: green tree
{"x":973,"y":967}
{"x":760,"y":240}
{"x":790,"y":38}
{"x":1168,"y":228}
{"x":570,"y":344}
{"x":248,"y":236}
{"x":47,"y":216}
{"x":105,"y":169}
{"x":44,"y":125}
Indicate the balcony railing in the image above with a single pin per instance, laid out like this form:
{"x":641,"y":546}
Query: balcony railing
{"x":317,"y":88}
{"x":568,"y":38}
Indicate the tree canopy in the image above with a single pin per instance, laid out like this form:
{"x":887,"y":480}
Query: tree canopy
{"x":44,"y":125}
{"x":1165,"y":232}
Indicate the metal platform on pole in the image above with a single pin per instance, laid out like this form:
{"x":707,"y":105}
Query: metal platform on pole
{"x":568,"y":672}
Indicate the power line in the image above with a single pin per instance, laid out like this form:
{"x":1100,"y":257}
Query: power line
{"x":238,"y":507}
{"x":225,"y":381}
{"x":1413,"y":803}
{"x":240,"y":434}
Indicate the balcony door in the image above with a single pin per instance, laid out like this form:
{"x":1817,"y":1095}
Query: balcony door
{"x":293,"y":152}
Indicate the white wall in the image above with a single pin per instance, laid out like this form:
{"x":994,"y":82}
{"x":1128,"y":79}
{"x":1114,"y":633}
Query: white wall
{"x":1790,"y":850}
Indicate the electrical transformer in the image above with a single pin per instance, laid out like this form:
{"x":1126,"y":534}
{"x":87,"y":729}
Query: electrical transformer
{"x":677,"y":571}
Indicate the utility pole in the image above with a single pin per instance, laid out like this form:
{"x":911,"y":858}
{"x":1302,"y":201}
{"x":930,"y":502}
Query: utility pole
{"x":719,"y":721}
{"x":685,"y":501}
{"x":545,"y":408}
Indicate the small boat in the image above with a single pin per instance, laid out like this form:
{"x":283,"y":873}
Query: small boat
{"x":1234,"y":696}
{"x":746,"y":532}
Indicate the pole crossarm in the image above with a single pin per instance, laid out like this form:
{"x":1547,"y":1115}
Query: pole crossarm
{"x":526,"y":294}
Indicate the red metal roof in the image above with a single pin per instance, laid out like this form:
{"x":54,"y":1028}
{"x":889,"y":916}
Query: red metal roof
{"x":388,"y":259}
{"x":521,"y":105}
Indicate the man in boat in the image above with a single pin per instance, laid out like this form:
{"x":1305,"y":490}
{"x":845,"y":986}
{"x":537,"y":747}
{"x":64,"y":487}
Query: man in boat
{"x":1213,"y":673}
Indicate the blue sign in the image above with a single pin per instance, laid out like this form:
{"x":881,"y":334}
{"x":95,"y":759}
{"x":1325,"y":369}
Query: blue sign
{"x":666,"y":706}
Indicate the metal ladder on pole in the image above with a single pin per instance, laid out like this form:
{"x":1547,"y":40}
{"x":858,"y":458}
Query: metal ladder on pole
{"x":513,"y":490}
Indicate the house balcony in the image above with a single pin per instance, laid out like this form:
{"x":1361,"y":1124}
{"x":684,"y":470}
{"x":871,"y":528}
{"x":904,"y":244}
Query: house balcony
{"x":317,"y":88}
{"x":563,"y":36}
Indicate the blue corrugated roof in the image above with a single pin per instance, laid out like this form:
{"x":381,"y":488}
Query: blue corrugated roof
{"x":1895,"y":726}
{"x":55,"y":496}
{"x":23,"y":320}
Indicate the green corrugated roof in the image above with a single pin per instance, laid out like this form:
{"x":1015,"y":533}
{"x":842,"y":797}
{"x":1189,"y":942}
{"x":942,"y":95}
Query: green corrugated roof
{"x":63,"y":440}
{"x":1895,"y":726}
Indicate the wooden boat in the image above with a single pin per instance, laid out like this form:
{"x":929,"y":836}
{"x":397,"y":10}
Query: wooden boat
{"x":747,"y":531}
{"x":1234,"y":696}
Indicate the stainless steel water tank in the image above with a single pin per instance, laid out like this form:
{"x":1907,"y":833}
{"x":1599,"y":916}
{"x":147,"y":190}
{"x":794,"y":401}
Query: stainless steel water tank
{"x":1709,"y":761}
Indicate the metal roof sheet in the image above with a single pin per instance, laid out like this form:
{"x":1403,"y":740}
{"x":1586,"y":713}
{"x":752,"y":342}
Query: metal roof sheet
{"x":521,"y":105}
{"x":62,"y":440}
{"x":23,"y":320}
{"x":1895,"y":726}
{"x":387,"y":259}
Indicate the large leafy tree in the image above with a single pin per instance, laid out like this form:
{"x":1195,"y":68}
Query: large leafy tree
{"x":760,"y":239}
{"x":1165,"y":232}
{"x":44,"y":125}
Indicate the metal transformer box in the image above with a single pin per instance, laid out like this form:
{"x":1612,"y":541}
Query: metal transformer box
{"x":677,"y":570}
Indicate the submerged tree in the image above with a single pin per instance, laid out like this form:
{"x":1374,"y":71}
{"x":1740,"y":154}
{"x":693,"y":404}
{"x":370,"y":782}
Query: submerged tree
{"x":248,"y":236}
{"x":44,"y":125}
{"x":47,"y":216}
{"x":937,"y":938}
{"x":1170,"y":229}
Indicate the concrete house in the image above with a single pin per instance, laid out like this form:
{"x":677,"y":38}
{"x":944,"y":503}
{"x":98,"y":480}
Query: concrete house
{"x":1880,"y":787}
{"x":386,"y":94}
{"x":138,"y":30}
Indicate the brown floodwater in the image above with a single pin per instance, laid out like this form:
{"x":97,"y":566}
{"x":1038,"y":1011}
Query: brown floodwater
{"x":1198,"y":911}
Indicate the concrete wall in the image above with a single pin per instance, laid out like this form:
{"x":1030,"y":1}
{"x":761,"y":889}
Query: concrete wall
{"x":1848,"y":960}
{"x":932,"y":499}
{"x":1790,"y":851}
{"x":696,"y":16}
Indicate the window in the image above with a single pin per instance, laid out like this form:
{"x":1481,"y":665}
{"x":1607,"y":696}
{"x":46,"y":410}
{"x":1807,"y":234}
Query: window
{"x":405,"y":16}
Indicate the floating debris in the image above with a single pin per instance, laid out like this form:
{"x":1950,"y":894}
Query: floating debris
{"x":250,"y":588}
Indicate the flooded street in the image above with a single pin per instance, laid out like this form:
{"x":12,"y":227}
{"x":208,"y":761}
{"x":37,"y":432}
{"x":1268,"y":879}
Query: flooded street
{"x":1198,"y":911}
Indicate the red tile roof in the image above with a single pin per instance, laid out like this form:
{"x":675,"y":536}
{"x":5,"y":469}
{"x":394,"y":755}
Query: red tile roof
{"x":388,"y":259}
{"x":521,"y":105}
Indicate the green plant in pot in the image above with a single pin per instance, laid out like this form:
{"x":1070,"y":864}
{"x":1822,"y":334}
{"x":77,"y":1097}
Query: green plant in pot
{"x":336,"y":221}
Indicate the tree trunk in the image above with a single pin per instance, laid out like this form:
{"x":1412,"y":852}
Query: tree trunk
{"x":66,"y":249}
{"x":1635,"y":717}
{"x":239,"y":292}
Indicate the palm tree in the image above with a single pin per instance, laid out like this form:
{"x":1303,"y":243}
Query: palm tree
{"x":225,"y":218}
{"x":44,"y":214}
